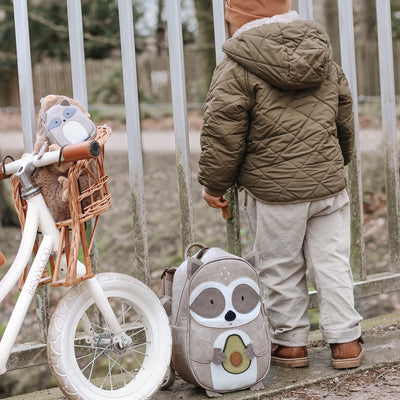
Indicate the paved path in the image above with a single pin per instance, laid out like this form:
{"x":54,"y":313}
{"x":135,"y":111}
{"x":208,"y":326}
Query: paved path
{"x":381,"y":350}
{"x":164,"y":141}
{"x":152,"y":141}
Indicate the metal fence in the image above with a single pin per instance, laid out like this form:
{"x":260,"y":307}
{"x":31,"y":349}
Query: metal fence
{"x":365,"y":285}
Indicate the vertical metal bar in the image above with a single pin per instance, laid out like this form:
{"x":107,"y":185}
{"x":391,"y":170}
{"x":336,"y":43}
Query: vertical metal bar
{"x":232,"y":224}
{"x":178,"y":87}
{"x":306,"y":9}
{"x":28,"y":125}
{"x":388,"y":102}
{"x":220,"y":28}
{"x":78,"y":70}
{"x":25,"y":73}
{"x":346,"y":28}
{"x":134,"y":137}
{"x":79,"y":88}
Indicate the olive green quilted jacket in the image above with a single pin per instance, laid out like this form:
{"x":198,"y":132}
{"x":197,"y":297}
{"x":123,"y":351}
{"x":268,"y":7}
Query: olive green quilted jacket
{"x":278,"y":119}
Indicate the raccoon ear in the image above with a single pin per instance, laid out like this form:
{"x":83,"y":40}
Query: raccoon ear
{"x":65,"y":102}
{"x":253,"y":258}
{"x":193,"y":264}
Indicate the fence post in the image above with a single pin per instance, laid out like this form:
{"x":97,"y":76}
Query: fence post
{"x":77,"y":52}
{"x":179,"y":107}
{"x":388,"y":102}
{"x":28,"y":125}
{"x":134,"y":139}
{"x":354,"y":170}
{"x":234,"y":244}
{"x":306,"y":9}
{"x":25,"y":73}
{"x":79,"y":87}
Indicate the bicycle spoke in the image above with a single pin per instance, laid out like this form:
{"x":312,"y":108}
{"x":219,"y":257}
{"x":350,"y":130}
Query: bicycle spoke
{"x":133,"y":347}
{"x":92,"y":324}
{"x":124,"y":312}
{"x":139,"y":318}
{"x":121,"y":367}
{"x":83,"y":346}
{"x":137,"y":332}
{"x":105,"y":378}
{"x":92,"y":367}
{"x":94,"y":359}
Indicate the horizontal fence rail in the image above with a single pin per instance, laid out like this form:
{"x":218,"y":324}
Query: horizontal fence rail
{"x":176,"y":76}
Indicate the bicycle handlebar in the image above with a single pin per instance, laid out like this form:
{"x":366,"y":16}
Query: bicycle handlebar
{"x":69,"y":153}
{"x":81,"y":151}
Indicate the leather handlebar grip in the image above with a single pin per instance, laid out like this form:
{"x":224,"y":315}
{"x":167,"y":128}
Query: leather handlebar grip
{"x":81,"y":151}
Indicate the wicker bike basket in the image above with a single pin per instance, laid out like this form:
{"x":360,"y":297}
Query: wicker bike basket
{"x":88,"y":197}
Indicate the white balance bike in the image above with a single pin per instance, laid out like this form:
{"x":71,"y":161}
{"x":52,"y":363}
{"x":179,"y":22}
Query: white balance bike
{"x":109,"y":336}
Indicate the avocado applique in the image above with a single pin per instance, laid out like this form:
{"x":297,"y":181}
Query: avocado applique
{"x":236,"y":360}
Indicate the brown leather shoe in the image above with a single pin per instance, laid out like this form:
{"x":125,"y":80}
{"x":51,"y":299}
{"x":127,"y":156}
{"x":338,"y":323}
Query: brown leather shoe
{"x":347,"y":355}
{"x":289,"y":357}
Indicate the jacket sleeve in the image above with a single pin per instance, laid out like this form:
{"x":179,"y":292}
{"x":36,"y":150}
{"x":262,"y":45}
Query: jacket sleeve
{"x":225,"y":127}
{"x":345,"y":118}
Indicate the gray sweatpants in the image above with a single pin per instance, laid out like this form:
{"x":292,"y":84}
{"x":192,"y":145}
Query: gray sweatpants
{"x":291,"y":239}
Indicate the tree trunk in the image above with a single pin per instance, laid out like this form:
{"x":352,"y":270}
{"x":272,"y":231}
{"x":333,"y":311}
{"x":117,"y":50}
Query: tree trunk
{"x":367,"y":23}
{"x":160,"y":32}
{"x":332,"y":27}
{"x":204,"y":17}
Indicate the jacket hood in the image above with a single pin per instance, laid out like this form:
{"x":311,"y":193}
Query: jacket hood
{"x":294,"y":55}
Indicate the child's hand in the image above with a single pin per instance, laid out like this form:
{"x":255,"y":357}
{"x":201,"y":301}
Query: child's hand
{"x":214,"y":202}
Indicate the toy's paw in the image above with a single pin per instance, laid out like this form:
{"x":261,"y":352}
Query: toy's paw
{"x":219,"y":356}
{"x":249,"y":351}
{"x":64,"y":182}
{"x":211,"y":393}
{"x":257,"y":386}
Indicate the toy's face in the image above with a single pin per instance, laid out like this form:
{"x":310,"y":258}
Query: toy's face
{"x":215,"y":304}
{"x":65,"y":124}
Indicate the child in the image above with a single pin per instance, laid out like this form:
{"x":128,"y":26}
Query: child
{"x":278,"y":123}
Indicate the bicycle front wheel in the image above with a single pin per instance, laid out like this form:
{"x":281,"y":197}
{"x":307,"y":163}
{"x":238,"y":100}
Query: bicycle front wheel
{"x":85,"y":361}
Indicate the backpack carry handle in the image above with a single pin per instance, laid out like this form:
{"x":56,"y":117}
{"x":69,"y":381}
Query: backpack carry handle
{"x":203,"y":249}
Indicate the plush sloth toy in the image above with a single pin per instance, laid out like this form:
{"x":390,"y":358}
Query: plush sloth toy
{"x":61,"y":121}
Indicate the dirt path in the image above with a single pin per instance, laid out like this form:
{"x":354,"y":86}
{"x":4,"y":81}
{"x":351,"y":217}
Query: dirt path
{"x":382,"y":383}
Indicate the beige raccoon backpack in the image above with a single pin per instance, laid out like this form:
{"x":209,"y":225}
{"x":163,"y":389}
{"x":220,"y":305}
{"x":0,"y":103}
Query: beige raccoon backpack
{"x":220,"y":333}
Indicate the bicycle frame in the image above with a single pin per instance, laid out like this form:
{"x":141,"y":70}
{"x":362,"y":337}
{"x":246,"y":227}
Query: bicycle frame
{"x":38,"y":215}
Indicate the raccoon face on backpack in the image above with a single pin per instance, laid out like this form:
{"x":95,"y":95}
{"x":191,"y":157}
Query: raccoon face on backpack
{"x":220,"y":332}
{"x":226,"y":301}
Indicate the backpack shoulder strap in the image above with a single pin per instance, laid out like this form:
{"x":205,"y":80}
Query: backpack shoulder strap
{"x":165,"y":294}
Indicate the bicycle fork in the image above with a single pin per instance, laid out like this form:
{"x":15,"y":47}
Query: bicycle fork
{"x":120,"y":337}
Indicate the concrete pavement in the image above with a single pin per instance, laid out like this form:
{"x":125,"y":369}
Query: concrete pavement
{"x":381,"y":348}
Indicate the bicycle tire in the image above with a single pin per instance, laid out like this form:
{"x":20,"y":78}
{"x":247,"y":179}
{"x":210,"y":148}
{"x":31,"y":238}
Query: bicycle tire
{"x":83,"y":364}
